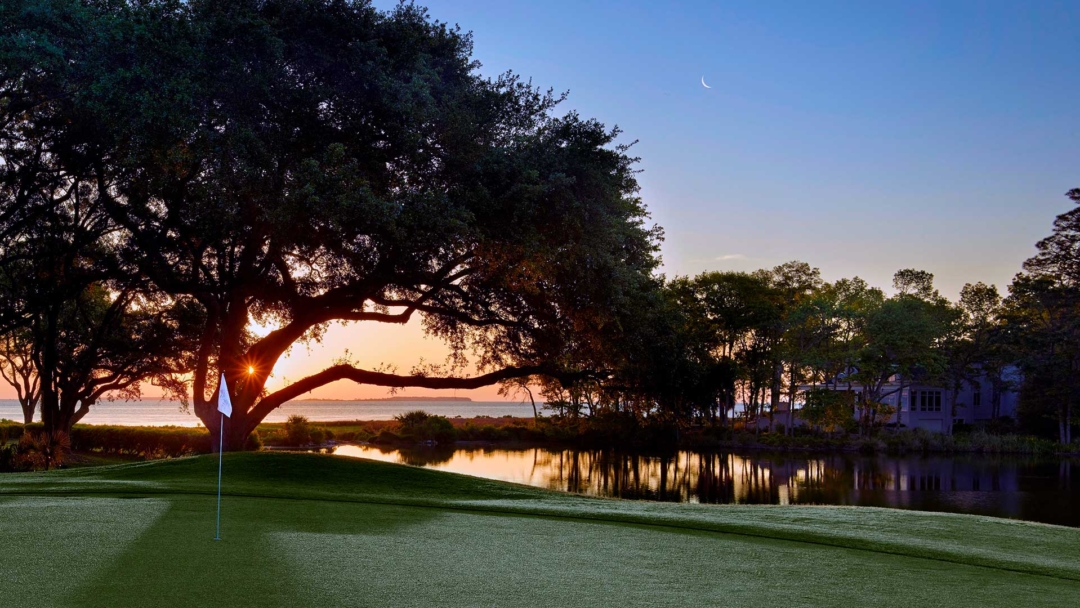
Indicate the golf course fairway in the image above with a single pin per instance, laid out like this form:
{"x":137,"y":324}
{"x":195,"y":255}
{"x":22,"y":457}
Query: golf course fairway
{"x":316,"y":530}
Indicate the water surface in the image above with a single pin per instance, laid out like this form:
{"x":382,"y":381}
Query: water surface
{"x":1034,"y":489}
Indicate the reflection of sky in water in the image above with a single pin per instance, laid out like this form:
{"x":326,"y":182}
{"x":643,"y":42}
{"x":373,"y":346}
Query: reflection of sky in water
{"x":1025,"y":488}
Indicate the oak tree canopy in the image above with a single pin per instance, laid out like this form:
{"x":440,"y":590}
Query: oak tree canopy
{"x":296,"y":163}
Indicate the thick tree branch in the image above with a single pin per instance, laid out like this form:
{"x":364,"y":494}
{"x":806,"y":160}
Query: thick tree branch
{"x":360,"y":376}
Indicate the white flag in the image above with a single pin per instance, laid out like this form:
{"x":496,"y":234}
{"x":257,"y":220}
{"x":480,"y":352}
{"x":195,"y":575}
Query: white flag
{"x":224,"y":404}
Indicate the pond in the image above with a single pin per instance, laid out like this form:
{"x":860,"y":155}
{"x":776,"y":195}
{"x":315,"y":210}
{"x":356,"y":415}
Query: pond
{"x":1029,"y":488}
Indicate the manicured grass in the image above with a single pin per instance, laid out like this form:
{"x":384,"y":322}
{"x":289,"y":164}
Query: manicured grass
{"x":321,"y":530}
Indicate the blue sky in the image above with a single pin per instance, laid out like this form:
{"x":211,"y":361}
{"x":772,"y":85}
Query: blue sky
{"x":858,"y":138}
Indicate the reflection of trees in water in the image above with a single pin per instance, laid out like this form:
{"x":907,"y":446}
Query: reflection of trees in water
{"x":619,"y":474}
{"x":425,"y":456}
{"x":1030,"y":488}
{"x":678,"y":477}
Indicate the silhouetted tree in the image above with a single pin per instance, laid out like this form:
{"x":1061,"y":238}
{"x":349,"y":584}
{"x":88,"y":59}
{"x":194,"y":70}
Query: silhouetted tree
{"x":297,"y":164}
{"x":17,"y":369}
{"x":1042,"y":319}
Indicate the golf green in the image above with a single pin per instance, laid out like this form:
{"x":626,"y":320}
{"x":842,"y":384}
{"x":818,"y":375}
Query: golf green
{"x":302,"y":530}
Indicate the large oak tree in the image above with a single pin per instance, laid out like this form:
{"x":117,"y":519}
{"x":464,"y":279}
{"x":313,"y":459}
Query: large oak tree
{"x":297,"y":163}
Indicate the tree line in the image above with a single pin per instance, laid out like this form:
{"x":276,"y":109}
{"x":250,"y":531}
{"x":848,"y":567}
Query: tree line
{"x":174,"y":172}
{"x":725,"y":344}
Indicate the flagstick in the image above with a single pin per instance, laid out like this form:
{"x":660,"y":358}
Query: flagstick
{"x":221,"y":449}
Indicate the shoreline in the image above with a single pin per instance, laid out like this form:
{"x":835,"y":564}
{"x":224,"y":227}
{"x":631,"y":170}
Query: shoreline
{"x":516,"y":432}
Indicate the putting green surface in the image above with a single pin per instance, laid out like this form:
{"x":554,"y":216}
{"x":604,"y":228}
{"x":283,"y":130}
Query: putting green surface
{"x":310,"y":530}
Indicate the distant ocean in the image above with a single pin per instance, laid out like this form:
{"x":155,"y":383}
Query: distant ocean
{"x":162,"y":413}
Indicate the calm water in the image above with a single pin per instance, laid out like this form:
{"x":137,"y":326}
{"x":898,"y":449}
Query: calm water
{"x":1020,"y":488}
{"x":161,"y":413}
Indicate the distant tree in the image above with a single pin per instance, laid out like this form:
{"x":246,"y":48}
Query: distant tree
{"x":17,"y":369}
{"x":902,"y":338}
{"x":1042,"y":325}
{"x":972,"y":346}
{"x":828,"y":409}
{"x":917,"y":283}
{"x":520,"y":387}
{"x":108,"y":344}
{"x":734,"y":315}
{"x":795,"y":285}
{"x":1059,"y":254}
{"x":1044,"y":333}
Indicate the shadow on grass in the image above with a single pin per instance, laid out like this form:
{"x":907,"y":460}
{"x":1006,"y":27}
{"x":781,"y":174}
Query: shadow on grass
{"x":176,"y":562}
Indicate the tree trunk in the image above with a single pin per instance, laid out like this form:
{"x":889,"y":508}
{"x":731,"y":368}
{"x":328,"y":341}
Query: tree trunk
{"x":237,"y":429}
{"x":83,"y":410}
{"x":791,"y":405}
{"x":953,"y":394}
{"x":536,"y":415}
{"x":774,"y":393}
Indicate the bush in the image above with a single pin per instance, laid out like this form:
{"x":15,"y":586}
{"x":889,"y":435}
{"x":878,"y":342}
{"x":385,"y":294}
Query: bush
{"x":7,"y":458}
{"x":147,"y":442}
{"x":421,"y":426}
{"x":490,"y":432}
{"x":253,"y":443}
{"x":297,"y":430}
{"x":388,"y":437}
{"x":438,"y":428}
{"x":43,"y":451}
{"x":412,"y":422}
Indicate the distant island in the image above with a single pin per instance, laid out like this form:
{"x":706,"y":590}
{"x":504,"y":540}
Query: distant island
{"x":419,"y":398}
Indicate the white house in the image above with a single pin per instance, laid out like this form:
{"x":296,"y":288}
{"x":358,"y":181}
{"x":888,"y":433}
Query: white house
{"x":927,"y":406}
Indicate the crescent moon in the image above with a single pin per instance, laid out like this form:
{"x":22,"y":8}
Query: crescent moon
{"x":703,"y":83}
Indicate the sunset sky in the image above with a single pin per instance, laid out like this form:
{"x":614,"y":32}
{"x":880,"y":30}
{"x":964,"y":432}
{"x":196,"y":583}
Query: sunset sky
{"x":861,"y":139}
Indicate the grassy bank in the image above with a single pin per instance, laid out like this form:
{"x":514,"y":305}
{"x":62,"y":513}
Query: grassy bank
{"x":309,"y":529}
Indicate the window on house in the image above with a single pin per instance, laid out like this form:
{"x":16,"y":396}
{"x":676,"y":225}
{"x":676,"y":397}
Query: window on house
{"x":929,"y":401}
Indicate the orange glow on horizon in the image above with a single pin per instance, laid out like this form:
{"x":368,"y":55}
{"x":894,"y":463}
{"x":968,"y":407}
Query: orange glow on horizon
{"x":369,"y":346}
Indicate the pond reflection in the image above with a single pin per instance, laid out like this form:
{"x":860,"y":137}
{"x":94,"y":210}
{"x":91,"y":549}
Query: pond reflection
{"x":1017,"y":487}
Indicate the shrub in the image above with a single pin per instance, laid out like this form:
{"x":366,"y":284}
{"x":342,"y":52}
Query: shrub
{"x":412,"y":422}
{"x":386,"y":436}
{"x":438,"y":428}
{"x":253,"y":443}
{"x":147,"y":442}
{"x":420,"y":425}
{"x":273,"y":437}
{"x":490,"y":432}
{"x":7,"y":458}
{"x":43,"y":451}
{"x":317,"y":436}
{"x":297,"y":430}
